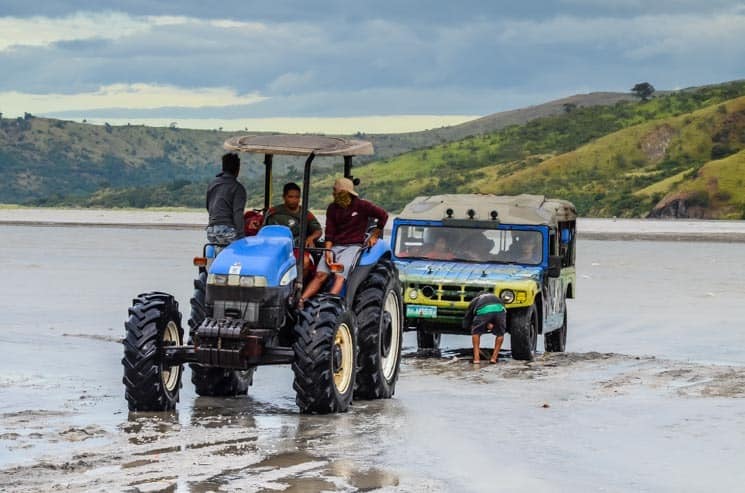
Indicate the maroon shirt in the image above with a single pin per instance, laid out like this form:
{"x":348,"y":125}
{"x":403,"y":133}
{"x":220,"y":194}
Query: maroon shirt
{"x":347,"y":225}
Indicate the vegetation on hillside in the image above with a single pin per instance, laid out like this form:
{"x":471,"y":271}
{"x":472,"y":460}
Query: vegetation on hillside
{"x":611,"y":160}
{"x":600,"y":179}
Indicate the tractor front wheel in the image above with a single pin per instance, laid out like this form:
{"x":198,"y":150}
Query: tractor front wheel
{"x":325,"y":356}
{"x":154,"y":324}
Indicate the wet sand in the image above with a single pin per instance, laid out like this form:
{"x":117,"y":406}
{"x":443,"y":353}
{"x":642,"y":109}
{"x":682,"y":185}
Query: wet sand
{"x":649,"y":396}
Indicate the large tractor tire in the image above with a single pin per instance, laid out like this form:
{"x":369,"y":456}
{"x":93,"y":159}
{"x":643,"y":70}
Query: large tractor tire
{"x":154,"y":323}
{"x":213,"y":382}
{"x":428,"y":343}
{"x":523,"y":327}
{"x":377,"y":306}
{"x":556,"y":340}
{"x":325,"y":356}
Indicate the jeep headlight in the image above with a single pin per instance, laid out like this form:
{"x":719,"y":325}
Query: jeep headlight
{"x":413,"y":294}
{"x":507,"y":296}
{"x":252,"y":281}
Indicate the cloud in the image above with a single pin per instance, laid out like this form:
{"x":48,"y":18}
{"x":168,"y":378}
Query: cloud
{"x":129,"y":96}
{"x":353,"y":59}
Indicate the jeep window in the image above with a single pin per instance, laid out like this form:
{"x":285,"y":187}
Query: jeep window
{"x":469,"y":244}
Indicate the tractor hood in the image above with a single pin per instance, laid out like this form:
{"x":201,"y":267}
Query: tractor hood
{"x":428,"y":271}
{"x":268,"y":254}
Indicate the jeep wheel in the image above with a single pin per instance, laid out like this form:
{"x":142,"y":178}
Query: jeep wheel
{"x":523,"y":326}
{"x":214,"y":382}
{"x":325,"y":356}
{"x":428,"y":343}
{"x":556,"y":340}
{"x":377,"y":306}
{"x":154,"y":323}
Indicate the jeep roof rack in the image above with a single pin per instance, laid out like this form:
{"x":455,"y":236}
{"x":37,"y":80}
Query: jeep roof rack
{"x":511,"y":209}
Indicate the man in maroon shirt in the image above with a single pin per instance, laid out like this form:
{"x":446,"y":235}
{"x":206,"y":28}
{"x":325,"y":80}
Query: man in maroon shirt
{"x":346,"y":224}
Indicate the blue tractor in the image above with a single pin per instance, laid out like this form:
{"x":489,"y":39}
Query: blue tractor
{"x":244,"y":313}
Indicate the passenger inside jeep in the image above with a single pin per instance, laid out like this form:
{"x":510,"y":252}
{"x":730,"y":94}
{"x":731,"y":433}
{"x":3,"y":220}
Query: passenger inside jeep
{"x":439,"y":250}
{"x":525,"y":249}
{"x":476,"y":247}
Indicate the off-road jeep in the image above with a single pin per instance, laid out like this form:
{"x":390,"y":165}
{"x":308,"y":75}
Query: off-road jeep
{"x":448,"y":248}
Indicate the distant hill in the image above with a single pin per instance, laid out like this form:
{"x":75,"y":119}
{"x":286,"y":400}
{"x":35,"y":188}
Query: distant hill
{"x":603,"y":158}
{"x":679,"y":154}
{"x":388,"y":145}
{"x":56,"y":162}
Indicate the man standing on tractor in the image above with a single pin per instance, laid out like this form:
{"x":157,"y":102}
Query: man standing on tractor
{"x":226,"y":199}
{"x":347,"y":220}
{"x":288,"y":214}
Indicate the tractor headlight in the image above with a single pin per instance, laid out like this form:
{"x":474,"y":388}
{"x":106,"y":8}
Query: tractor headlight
{"x":217,"y":279}
{"x":413,"y":294}
{"x":252,"y":281}
{"x":507,"y":296}
{"x":288,"y":277}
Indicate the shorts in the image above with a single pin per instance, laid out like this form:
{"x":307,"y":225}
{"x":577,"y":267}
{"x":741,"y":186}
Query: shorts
{"x":345,"y":254}
{"x":221,"y":234}
{"x":497,"y":319}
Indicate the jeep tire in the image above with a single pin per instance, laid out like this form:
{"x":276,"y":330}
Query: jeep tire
{"x":325,"y":356}
{"x":208,"y":381}
{"x":556,"y":340}
{"x":377,"y":306}
{"x":154,"y":323}
{"x":523,"y":328}
{"x":427,"y":343}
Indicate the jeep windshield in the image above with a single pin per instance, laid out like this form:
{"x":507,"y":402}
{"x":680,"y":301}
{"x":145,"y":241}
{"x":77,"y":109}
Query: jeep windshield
{"x":469,"y":244}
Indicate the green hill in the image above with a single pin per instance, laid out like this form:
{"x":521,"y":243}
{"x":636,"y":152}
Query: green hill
{"x":54,"y":162}
{"x":596,"y":156}
{"x":610,"y":154}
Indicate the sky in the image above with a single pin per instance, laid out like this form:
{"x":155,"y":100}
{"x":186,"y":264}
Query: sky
{"x":335,"y":65}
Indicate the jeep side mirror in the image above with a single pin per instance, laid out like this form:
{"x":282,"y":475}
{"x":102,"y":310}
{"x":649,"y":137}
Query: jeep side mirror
{"x":554,"y":265}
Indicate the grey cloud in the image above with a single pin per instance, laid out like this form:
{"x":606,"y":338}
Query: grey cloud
{"x":348,"y":64}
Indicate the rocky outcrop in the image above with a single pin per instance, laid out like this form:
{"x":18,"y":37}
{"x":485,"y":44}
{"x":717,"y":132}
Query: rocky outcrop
{"x":682,"y":205}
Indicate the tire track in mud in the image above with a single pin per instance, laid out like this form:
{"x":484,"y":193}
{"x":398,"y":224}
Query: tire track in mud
{"x":614,"y":373}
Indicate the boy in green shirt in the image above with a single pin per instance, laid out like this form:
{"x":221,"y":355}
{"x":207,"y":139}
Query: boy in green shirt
{"x":486,"y":313}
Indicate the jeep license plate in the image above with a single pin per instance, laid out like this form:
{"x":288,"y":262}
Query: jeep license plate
{"x":421,"y":311}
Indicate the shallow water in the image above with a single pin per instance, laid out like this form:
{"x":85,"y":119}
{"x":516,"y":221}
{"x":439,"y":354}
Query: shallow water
{"x":648,"y":398}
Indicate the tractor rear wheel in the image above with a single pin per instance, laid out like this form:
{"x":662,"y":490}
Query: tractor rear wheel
{"x":154,"y":323}
{"x":377,"y":306}
{"x":213,"y":382}
{"x":325,"y":356}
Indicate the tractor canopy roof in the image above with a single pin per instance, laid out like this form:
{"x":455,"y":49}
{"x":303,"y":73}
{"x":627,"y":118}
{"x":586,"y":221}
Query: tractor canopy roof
{"x":510,"y":209}
{"x":299,"y":145}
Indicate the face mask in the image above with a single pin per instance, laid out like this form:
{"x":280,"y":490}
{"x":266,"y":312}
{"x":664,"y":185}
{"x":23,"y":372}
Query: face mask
{"x":342,"y":198}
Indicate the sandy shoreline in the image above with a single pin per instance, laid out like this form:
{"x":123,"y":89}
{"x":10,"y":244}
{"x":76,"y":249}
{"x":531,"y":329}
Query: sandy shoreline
{"x":588,"y":228}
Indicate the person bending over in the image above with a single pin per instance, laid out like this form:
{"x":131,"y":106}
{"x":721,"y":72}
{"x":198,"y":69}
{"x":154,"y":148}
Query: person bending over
{"x":486,"y":313}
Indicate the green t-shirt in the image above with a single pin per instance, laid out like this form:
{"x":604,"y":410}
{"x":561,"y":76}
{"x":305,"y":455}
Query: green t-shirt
{"x":282,"y":216}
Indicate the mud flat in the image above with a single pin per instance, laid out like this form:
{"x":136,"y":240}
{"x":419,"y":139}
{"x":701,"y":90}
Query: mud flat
{"x":649,"y":396}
